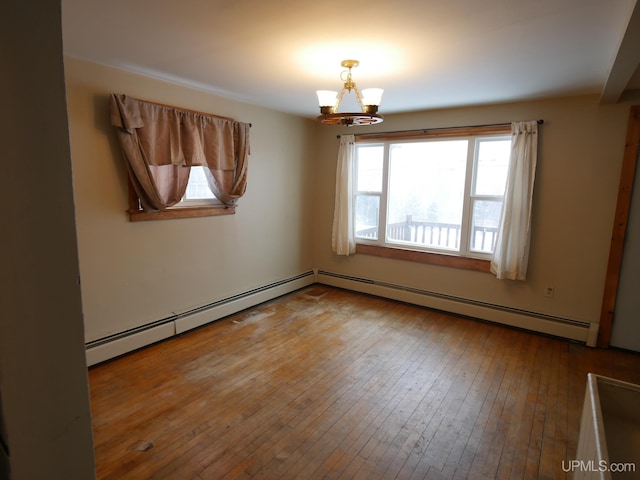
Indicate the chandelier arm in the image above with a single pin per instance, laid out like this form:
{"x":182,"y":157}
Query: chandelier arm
{"x":339,"y":99}
{"x":359,"y":97}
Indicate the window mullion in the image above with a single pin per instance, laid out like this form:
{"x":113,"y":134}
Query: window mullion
{"x":467,"y":205}
{"x":382,"y":224}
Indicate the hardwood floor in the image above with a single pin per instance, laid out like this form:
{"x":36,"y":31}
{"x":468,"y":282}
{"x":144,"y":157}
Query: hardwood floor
{"x":328,"y":384}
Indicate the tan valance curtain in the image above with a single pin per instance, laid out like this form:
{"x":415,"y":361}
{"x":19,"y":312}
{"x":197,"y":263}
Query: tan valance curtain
{"x":161,"y":143}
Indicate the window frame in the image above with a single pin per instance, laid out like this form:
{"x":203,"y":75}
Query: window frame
{"x":464,"y":258}
{"x":193,"y":208}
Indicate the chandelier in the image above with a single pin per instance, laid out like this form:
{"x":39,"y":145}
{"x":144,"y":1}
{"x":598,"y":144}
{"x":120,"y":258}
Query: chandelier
{"x":369,"y":100}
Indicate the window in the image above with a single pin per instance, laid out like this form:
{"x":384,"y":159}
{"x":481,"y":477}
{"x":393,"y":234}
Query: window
{"x":198,"y":201}
{"x":198,"y":192}
{"x":440,"y":194}
{"x":161,"y":144}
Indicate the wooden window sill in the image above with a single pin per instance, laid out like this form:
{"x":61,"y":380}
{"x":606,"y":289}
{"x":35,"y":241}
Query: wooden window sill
{"x":182,"y":212}
{"x":442,"y":260}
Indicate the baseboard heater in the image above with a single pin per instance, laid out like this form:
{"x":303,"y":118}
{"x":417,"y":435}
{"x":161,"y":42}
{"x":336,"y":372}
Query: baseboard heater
{"x":539,"y":322}
{"x":118,"y":344}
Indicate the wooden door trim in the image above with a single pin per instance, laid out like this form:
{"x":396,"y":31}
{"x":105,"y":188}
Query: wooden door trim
{"x":620,"y":223}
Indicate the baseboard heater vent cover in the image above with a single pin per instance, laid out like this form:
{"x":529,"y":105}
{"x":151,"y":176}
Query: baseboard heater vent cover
{"x":535,"y":321}
{"x":123,"y":342}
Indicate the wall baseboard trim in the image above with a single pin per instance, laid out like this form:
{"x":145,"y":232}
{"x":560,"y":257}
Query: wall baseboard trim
{"x":103,"y":349}
{"x":538,"y":322}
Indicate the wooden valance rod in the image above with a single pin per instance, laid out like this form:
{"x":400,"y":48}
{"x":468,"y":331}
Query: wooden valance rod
{"x":427,"y":130}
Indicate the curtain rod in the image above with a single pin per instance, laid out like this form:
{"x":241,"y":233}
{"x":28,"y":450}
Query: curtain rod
{"x":540,"y":122}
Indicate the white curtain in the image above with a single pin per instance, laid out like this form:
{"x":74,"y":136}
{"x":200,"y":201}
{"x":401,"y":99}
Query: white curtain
{"x":511,"y":253}
{"x":343,"y":240}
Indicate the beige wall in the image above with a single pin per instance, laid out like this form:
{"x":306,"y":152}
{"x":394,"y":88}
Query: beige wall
{"x":136,"y":273}
{"x":43,"y":373}
{"x":580,"y":155}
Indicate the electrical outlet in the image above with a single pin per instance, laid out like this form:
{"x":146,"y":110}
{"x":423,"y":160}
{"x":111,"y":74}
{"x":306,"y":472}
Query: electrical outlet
{"x":549,"y":292}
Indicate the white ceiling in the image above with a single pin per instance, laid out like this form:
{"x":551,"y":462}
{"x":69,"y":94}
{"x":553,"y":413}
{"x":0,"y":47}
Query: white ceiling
{"x":424,"y":53}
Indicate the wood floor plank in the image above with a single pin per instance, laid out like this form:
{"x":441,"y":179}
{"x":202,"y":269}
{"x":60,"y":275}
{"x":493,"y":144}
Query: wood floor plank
{"x":384,"y":372}
{"x":440,"y":394}
{"x":325,"y":384}
{"x":551,"y":431}
{"x":480,"y":437}
{"x":435,"y":386}
{"x":519,"y":416}
{"x":467,"y":415}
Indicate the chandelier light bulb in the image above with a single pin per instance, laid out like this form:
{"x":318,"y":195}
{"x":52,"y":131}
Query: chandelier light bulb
{"x":327,"y":99}
{"x":372,"y":96}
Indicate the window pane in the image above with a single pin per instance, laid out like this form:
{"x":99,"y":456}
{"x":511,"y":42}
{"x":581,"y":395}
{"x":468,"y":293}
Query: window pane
{"x":492,"y":166}
{"x":367,"y":214}
{"x":484,"y":225}
{"x":370,"y":160}
{"x":197,"y":188}
{"x":426,"y":190}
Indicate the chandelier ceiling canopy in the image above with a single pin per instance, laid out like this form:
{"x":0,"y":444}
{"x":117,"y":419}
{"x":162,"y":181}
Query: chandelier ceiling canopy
{"x":369,"y":101}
